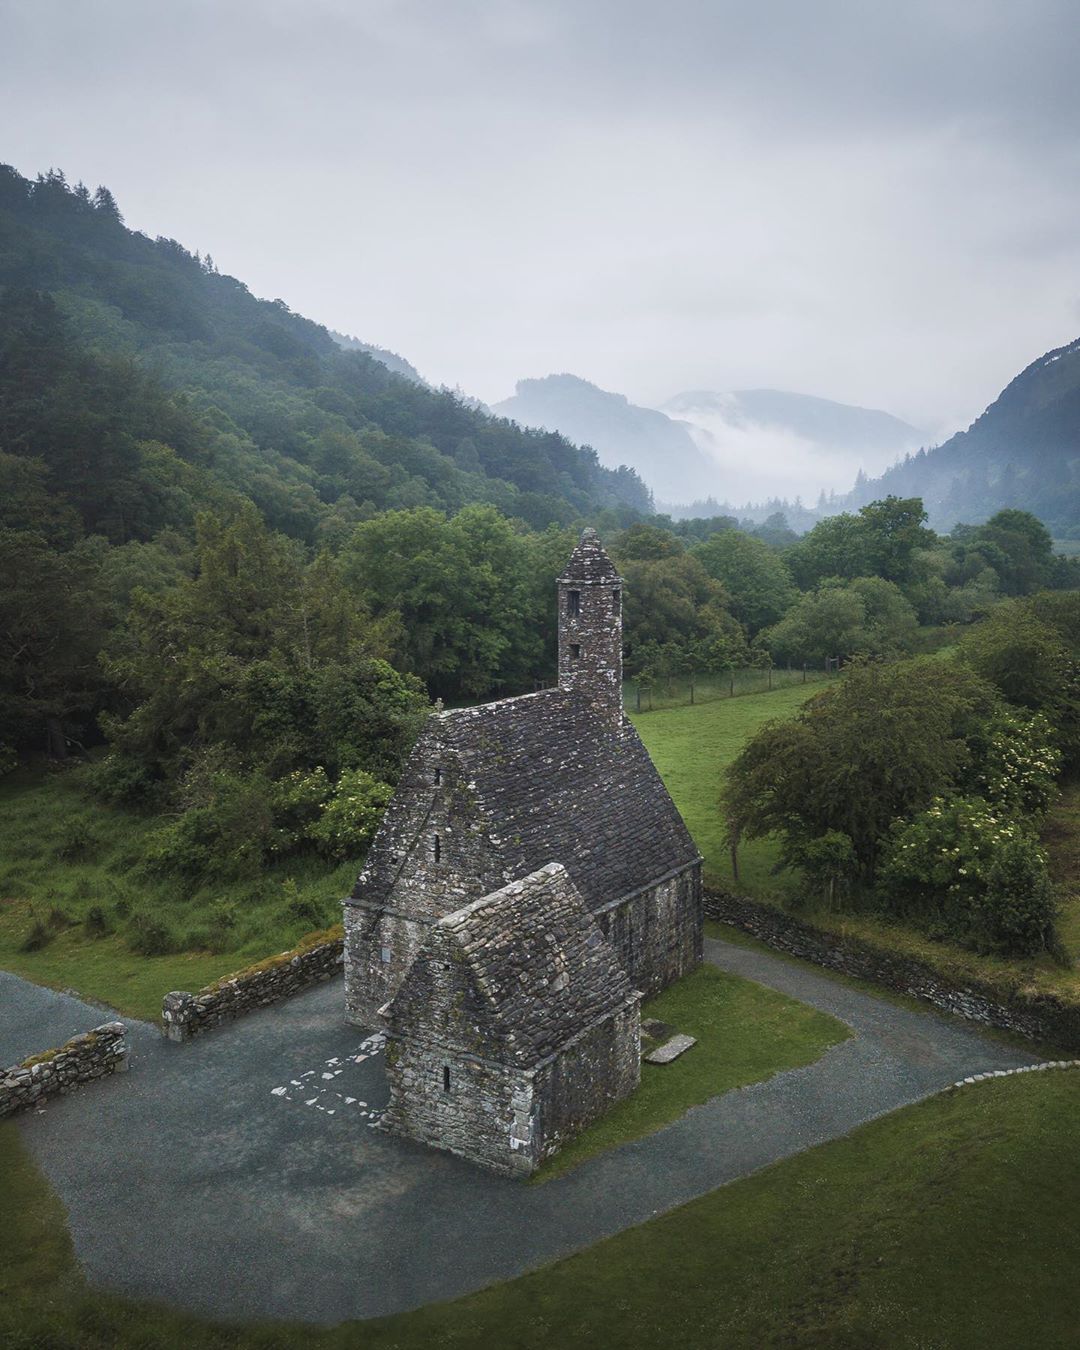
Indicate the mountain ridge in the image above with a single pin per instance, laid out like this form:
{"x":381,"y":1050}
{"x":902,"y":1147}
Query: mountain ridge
{"x":1022,"y":451}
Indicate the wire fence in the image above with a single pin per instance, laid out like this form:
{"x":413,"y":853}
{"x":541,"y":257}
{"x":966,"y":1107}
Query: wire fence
{"x":676,"y":691}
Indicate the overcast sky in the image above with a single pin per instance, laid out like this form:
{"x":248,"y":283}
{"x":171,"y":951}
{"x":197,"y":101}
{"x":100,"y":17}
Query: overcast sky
{"x":872,"y":201}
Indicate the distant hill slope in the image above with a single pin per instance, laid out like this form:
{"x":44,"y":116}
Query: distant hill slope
{"x":769,"y":443}
{"x":1024,"y":451}
{"x":391,"y":360}
{"x":293,"y":421}
{"x":660,"y":450}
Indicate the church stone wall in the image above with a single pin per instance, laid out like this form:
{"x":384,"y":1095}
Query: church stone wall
{"x":379,"y":949}
{"x":587,"y":1078}
{"x":484,"y":1113}
{"x":504,"y":1118}
{"x":657,"y":933}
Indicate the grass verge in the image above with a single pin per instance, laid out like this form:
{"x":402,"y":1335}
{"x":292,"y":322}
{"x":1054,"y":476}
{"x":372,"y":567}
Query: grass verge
{"x":948,"y":1224}
{"x":744,"y":1033}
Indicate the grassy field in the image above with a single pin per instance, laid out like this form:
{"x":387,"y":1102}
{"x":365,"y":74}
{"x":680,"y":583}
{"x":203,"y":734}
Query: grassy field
{"x":745,"y":1033}
{"x":950,"y":1224}
{"x":63,"y":855}
{"x":692,"y":748}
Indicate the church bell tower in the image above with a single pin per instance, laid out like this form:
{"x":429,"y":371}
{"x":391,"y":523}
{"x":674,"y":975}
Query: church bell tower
{"x":590,"y":627}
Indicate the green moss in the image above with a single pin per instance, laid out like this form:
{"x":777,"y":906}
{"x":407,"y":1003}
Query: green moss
{"x":336,"y":933}
{"x":45,"y":1057}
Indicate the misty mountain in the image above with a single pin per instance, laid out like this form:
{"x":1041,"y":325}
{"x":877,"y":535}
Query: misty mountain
{"x":769,"y":443}
{"x":662,"y":451}
{"x":391,"y":360}
{"x":750,"y":446}
{"x":1024,"y":451}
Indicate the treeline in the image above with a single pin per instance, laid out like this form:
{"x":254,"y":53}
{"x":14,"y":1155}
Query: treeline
{"x":858,"y":584}
{"x":917,"y":788}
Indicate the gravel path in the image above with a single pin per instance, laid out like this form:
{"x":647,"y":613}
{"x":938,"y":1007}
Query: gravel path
{"x":34,"y":1019}
{"x":240,"y":1175}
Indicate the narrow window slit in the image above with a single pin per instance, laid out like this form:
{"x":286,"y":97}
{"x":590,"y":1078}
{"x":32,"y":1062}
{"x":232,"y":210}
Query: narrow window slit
{"x":438,"y":848}
{"x":575,"y":651}
{"x":573,"y":602}
{"x":446,"y":1077}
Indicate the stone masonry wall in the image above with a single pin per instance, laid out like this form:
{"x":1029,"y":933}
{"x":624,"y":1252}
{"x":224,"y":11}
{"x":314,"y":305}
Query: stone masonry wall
{"x":657,"y":932}
{"x":485,"y":1112}
{"x":1042,"y":1017}
{"x":379,"y":949}
{"x":590,"y":642}
{"x":587,"y":1078}
{"x":83,"y":1059}
{"x":185,"y":1015}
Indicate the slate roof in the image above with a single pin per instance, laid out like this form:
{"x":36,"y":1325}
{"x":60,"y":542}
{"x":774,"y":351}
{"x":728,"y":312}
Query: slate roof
{"x":589,"y":561}
{"x":540,"y":966}
{"x":552,"y":782}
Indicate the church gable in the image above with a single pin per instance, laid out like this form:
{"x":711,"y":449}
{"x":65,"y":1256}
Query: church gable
{"x":512,"y":976}
{"x":434,"y":850}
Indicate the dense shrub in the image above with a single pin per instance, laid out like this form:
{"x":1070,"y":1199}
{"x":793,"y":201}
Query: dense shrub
{"x":349,"y":818}
{"x":1016,"y":762}
{"x":150,"y":935}
{"x":967,"y":871}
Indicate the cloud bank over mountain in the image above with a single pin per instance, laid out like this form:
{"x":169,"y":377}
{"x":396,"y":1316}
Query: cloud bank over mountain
{"x":749,"y":445}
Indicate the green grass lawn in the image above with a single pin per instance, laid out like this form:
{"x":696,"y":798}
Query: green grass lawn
{"x":949,"y":1224}
{"x":745,"y":1033}
{"x":63,"y":854}
{"x":692,"y":748}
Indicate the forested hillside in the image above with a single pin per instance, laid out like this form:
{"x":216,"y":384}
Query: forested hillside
{"x":1023,"y":452}
{"x":271,"y":405}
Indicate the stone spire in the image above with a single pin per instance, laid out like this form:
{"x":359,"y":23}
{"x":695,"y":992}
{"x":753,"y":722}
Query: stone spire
{"x":590,"y":627}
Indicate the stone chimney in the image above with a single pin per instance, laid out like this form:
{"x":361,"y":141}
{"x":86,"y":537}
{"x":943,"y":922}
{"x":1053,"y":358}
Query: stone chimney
{"x":590,"y":627}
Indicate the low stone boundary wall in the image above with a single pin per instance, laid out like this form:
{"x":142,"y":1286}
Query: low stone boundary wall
{"x":54,"y":1072}
{"x":185,"y":1015}
{"x":1038,"y":1016}
{"x":1011,"y":1073}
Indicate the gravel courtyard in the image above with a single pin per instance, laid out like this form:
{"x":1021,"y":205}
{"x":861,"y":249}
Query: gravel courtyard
{"x":243,"y":1175}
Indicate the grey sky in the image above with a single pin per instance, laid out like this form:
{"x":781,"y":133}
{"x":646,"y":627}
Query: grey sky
{"x":870,"y":201}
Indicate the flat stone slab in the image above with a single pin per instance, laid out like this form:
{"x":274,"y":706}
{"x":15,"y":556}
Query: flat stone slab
{"x":678,"y":1045}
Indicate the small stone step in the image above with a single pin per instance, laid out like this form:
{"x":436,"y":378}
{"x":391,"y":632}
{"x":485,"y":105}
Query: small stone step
{"x":670,"y":1050}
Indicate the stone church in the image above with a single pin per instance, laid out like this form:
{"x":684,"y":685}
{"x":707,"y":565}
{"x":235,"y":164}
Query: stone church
{"x":531,"y":880}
